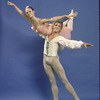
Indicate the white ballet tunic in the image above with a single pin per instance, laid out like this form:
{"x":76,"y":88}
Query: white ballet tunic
{"x":51,"y":47}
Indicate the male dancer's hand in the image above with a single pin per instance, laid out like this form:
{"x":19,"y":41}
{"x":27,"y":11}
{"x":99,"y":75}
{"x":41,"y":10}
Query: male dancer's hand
{"x":87,"y":44}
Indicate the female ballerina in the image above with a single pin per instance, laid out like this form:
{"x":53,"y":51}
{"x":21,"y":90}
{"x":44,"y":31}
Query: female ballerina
{"x":40,"y":26}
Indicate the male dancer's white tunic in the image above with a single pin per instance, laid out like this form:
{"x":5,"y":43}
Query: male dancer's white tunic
{"x":51,"y":47}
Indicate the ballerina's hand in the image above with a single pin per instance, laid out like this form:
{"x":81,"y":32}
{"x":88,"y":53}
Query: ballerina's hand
{"x":87,"y":44}
{"x":10,"y":3}
{"x":74,"y":15}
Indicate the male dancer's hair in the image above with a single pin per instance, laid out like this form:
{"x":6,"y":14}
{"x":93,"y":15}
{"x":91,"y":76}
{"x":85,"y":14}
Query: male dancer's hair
{"x":58,"y":21}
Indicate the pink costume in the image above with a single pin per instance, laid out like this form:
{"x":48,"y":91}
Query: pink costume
{"x":46,"y":29}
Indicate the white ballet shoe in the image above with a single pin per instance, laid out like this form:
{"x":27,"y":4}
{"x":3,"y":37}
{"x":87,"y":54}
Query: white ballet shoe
{"x":73,"y":14}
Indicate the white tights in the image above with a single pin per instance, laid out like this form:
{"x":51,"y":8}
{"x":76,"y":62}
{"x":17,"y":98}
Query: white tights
{"x":52,"y":64}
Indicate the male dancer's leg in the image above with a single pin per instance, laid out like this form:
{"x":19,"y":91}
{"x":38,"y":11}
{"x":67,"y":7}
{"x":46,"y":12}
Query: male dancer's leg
{"x":50,"y":74}
{"x":61,"y":73}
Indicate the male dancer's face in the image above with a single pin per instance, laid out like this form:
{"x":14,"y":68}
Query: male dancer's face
{"x":56,"y":27}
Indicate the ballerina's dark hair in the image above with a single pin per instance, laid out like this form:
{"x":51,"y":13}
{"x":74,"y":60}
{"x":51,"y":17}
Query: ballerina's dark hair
{"x":29,"y":7}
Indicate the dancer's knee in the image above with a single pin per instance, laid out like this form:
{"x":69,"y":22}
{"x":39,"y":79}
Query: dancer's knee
{"x":65,"y":81}
{"x":52,"y":81}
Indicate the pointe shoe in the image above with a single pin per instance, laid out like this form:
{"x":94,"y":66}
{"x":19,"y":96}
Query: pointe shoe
{"x":73,"y":15}
{"x":72,"y":12}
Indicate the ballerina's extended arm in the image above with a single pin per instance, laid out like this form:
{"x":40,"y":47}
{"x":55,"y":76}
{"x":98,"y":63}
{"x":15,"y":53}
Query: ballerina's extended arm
{"x":55,"y":18}
{"x":18,"y":10}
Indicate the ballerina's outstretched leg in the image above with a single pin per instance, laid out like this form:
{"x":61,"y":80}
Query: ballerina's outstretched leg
{"x":69,"y":22}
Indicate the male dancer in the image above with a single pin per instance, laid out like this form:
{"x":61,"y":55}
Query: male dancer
{"x":51,"y":58}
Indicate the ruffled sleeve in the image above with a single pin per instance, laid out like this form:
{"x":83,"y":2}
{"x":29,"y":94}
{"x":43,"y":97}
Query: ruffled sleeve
{"x":70,"y":44}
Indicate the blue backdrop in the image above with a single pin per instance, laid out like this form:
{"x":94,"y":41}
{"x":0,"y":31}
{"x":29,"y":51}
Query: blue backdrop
{"x":22,"y":76}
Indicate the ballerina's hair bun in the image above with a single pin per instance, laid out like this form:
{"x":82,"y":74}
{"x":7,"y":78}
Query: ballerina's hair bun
{"x":29,"y":7}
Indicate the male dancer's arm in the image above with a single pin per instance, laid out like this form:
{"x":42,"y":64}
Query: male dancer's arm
{"x":73,"y":44}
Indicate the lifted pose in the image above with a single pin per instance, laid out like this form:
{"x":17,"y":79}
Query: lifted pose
{"x":41,"y":26}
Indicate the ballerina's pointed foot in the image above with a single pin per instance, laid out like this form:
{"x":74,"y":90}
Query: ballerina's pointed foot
{"x":72,"y":12}
{"x":74,"y":15}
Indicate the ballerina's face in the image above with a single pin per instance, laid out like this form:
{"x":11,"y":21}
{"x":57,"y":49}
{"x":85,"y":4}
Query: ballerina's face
{"x":29,"y":12}
{"x":56,"y":27}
